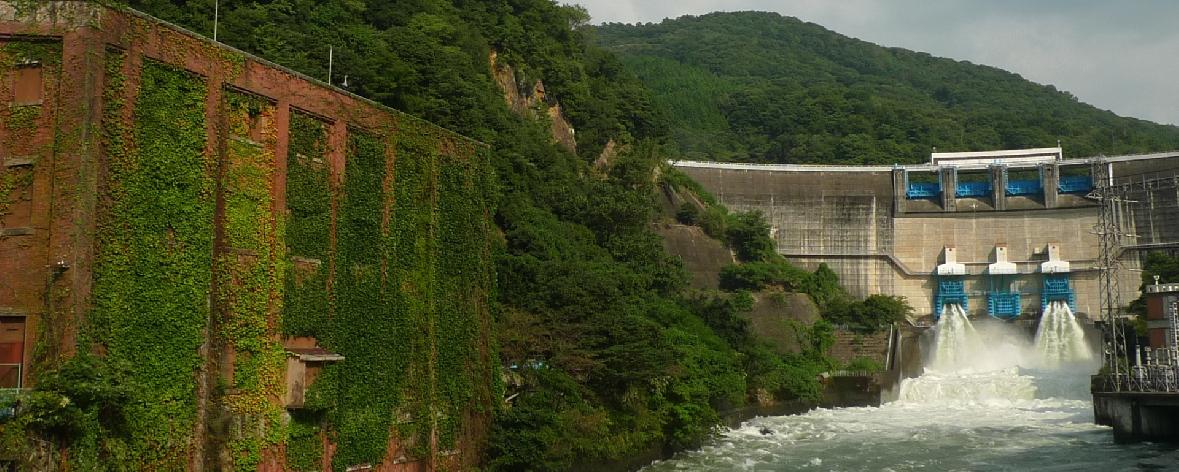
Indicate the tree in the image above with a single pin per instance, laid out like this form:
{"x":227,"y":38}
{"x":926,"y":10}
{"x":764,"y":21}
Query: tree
{"x":749,"y":236}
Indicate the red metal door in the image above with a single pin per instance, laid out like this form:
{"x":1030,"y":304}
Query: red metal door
{"x":12,"y":349}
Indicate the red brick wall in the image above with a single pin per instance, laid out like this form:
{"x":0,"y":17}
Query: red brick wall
{"x":1154,"y":306}
{"x":47,"y":236}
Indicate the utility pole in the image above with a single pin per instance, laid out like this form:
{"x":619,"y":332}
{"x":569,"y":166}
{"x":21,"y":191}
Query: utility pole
{"x":216,"y":17}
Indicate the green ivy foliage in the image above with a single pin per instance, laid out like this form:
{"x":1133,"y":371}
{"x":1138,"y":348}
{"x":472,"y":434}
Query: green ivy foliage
{"x":306,"y":303}
{"x":250,"y":269}
{"x":410,"y":291}
{"x":377,"y":341}
{"x":309,"y":206}
{"x":11,"y":182}
{"x":463,"y":276}
{"x":152,"y":269}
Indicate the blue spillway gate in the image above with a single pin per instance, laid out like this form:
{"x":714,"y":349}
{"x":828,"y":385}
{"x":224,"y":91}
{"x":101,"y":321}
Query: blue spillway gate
{"x":974,"y":189}
{"x":1002,"y":302}
{"x":1024,"y":187}
{"x":1003,"y":305}
{"x":923,"y":190}
{"x":1057,"y":288}
{"x":1075,"y":184}
{"x":950,"y":289}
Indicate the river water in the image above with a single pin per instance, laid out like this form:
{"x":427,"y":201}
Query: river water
{"x":990,"y":400}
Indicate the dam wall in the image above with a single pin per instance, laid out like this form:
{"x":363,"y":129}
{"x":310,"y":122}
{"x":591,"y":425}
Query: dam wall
{"x":876,"y":229}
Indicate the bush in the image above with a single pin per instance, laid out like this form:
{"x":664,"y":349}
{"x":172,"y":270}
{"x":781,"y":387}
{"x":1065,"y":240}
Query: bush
{"x":873,"y":314}
{"x":824,"y":286}
{"x":863,"y":364}
{"x":715,"y":222}
{"x":749,"y":236}
{"x":759,"y":275}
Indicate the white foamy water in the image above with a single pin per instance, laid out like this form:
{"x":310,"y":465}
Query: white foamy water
{"x":957,"y":342}
{"x":991,"y":400}
{"x":1059,"y":339}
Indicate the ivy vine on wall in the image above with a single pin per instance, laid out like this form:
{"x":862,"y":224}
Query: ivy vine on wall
{"x":250,"y":267}
{"x":409,"y":304}
{"x":306,"y":302}
{"x":151,"y":274}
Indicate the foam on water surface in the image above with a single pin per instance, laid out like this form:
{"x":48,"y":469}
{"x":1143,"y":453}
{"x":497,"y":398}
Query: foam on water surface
{"x":991,"y":399}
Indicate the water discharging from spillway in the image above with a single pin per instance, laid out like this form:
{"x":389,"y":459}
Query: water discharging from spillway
{"x":1060,"y":339}
{"x":991,"y":398}
{"x":957,"y":341}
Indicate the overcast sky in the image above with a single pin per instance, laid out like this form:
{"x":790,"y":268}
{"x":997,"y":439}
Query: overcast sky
{"x":1117,"y":55}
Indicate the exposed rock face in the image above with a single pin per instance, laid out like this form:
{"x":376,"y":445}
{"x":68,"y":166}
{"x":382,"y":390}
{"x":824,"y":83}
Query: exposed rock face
{"x":703,"y":256}
{"x":776,"y":315}
{"x":532,"y":101}
{"x":606,"y":157}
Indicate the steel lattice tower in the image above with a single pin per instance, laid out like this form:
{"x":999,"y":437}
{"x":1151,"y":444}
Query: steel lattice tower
{"x":1109,"y":233}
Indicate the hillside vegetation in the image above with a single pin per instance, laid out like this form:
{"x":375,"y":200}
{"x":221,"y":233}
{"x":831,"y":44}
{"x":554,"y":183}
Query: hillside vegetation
{"x":760,"y":87}
{"x":604,"y":350}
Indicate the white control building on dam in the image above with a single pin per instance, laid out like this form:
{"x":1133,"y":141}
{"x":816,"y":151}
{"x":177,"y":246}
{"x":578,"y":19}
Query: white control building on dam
{"x":1001,"y":232}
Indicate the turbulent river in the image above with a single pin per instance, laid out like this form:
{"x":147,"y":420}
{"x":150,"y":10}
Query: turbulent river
{"x":989,"y":400}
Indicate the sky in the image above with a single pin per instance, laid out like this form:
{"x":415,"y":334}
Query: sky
{"x":1116,"y":55}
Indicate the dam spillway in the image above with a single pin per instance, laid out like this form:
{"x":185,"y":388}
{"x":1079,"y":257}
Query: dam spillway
{"x":990,"y":399}
{"x":1060,"y":340}
{"x":884,"y":229}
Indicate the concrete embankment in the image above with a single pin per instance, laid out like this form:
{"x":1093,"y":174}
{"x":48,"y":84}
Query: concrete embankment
{"x":1138,"y":416}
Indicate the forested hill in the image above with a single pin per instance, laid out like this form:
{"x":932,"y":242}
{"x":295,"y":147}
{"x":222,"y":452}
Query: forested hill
{"x":761,"y":87}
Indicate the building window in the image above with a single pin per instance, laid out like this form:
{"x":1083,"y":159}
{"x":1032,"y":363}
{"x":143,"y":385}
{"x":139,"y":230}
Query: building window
{"x":27,"y":86}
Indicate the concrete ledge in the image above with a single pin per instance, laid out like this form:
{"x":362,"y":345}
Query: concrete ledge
{"x":20,"y":161}
{"x":1138,"y":416}
{"x":16,"y":231}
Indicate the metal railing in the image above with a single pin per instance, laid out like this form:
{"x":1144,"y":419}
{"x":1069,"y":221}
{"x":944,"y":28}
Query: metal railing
{"x":1155,"y":374}
{"x":1024,"y":187}
{"x":973,"y":189}
{"x":852,"y":373}
{"x":1075,"y":184}
{"x":8,"y":397}
{"x":918,"y":190}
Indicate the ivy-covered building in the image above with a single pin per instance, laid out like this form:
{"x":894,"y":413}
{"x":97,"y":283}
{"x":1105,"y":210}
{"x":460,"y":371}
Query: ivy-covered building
{"x":219,"y":263}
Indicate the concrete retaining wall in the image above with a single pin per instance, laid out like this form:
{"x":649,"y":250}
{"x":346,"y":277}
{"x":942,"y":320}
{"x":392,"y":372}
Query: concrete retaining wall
{"x":1138,"y":416}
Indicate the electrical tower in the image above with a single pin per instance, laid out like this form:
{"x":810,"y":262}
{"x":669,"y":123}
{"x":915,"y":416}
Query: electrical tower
{"x":1109,"y":233}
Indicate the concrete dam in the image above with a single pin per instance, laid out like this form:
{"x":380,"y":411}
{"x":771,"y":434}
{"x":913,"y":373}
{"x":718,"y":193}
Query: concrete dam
{"x":1003,"y":233}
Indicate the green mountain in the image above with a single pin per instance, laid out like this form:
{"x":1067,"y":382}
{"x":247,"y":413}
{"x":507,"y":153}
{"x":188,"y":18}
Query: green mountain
{"x":761,"y":87}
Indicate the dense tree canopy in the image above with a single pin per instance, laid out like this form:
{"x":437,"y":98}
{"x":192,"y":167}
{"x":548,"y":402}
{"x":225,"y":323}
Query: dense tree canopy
{"x":760,"y":87}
